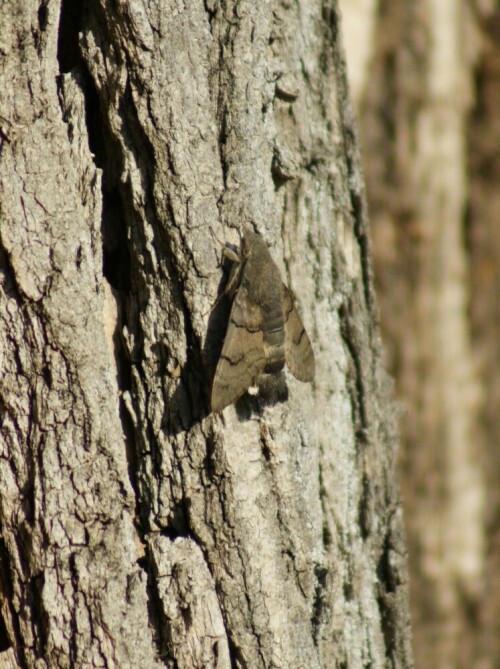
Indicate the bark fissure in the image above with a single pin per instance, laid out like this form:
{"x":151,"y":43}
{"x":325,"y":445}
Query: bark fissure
{"x":356,"y":378}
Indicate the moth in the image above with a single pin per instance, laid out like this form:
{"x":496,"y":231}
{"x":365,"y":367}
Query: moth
{"x":264,"y":329}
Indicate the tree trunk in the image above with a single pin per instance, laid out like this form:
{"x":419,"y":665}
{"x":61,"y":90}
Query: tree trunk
{"x":428,"y":101}
{"x":139,"y":529}
{"x":483,"y":237}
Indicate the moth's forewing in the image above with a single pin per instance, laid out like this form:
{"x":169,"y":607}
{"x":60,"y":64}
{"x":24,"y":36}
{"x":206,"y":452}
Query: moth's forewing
{"x":264,"y":327}
{"x":299,"y":354}
{"x":243,"y":354}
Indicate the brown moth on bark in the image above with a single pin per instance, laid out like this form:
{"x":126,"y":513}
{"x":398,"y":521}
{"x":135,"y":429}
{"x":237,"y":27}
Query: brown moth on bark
{"x":264,"y":329}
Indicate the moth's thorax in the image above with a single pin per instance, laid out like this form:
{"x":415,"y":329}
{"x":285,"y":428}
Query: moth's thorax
{"x":262,"y":284}
{"x":262,"y":281}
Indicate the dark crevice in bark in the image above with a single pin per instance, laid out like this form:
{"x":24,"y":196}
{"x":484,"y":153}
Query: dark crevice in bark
{"x":319,"y":601}
{"x":330,"y":16}
{"x":116,"y":253}
{"x":364,"y":508}
{"x":320,"y":572}
{"x":5,"y":643}
{"x":194,"y":384}
{"x":39,"y":37}
{"x":39,"y":617}
{"x":282,"y":169}
{"x":348,"y":590}
{"x":6,"y":596}
{"x":95,"y":124}
{"x":384,"y":570}
{"x":389,"y":624}
{"x":70,"y":24}
{"x":359,"y":210}
{"x":388,"y":598}
{"x":158,"y":620}
{"x":221,"y":145}
{"x":43,"y":15}
{"x":235,"y":656}
{"x":8,"y":279}
{"x":224,"y":80}
{"x":73,"y":643}
{"x":355,"y":377}
{"x":211,"y":11}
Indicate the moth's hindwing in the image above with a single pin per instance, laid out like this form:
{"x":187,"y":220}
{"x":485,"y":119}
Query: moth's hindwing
{"x":243,"y":356}
{"x":299,"y":354}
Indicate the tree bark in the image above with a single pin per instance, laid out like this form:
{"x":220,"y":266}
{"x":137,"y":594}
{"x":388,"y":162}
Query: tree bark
{"x":138,"y":529}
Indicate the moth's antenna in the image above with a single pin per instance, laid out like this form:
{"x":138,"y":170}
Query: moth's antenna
{"x":214,"y":236}
{"x":254,"y":227}
{"x":228,"y":253}
{"x":228,"y":249}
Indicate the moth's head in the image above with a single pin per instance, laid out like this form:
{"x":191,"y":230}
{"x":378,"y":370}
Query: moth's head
{"x":251,"y":242}
{"x":245,"y":245}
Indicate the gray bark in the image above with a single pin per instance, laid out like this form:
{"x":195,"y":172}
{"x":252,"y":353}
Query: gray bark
{"x":139,"y":529}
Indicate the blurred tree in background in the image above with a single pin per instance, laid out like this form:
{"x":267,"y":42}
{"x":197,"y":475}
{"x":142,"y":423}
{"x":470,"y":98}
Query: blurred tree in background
{"x":425,"y":78}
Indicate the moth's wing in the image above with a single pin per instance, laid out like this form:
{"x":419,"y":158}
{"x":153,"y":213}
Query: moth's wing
{"x":243,"y":356}
{"x":299,"y":354}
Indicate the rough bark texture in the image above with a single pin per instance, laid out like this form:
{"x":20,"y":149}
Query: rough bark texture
{"x":432,"y":174}
{"x":137,"y":528}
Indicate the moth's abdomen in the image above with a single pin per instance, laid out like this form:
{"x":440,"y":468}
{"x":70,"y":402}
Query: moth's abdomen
{"x":274,"y":338}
